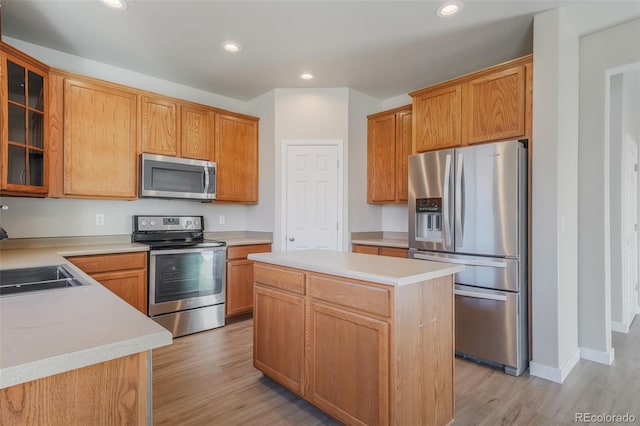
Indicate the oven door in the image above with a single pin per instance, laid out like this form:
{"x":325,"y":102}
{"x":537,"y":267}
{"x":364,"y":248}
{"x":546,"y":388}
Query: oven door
{"x":186,"y":278}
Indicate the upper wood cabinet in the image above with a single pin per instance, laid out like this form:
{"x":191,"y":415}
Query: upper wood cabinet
{"x":438,"y":120}
{"x":24,"y":141}
{"x":236,"y":155}
{"x":100,"y":140}
{"x":388,"y":150}
{"x":196,"y":140}
{"x":159,"y":125}
{"x":489,"y":105}
{"x":496,"y":105}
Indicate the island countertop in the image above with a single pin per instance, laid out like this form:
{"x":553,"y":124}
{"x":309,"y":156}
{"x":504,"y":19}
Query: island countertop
{"x":50,"y":332}
{"x":378,"y":269}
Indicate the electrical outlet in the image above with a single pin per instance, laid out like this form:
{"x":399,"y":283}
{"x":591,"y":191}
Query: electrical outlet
{"x":100,"y":219}
{"x":221,"y":219}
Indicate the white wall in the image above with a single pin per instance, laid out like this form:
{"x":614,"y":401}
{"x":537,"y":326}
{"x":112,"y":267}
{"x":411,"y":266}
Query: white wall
{"x":397,"y":101}
{"x":308,"y":114}
{"x":51,"y":217}
{"x":260,"y":217}
{"x":554,"y":203}
{"x":362,"y":216}
{"x":599,"y":53}
{"x":395,"y":218}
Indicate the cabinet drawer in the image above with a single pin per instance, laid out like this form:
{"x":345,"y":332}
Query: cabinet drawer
{"x":241,"y":252}
{"x":394,"y":252}
{"x":351,"y":294}
{"x":110,"y":262}
{"x":358,"y":248}
{"x":282,"y":278}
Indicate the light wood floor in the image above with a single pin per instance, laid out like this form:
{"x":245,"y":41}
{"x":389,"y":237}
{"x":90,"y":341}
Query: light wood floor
{"x":208,"y":379}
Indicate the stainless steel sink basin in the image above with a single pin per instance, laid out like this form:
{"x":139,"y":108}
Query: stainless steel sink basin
{"x":16,"y":281}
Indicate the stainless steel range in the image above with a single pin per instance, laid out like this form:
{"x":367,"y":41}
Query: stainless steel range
{"x":187,"y":274}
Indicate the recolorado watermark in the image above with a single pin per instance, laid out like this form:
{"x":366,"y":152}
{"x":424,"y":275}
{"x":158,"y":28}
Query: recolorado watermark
{"x":604,"y":418}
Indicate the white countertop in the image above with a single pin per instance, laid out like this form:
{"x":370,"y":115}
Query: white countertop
{"x":50,"y":332}
{"x":379,"y":269}
{"x":245,"y":241}
{"x":383,"y":242}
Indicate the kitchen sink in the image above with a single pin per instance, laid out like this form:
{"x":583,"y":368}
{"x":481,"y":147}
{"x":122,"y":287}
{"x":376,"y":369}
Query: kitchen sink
{"x":16,"y":281}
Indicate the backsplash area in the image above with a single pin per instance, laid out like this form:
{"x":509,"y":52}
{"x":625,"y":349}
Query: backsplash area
{"x":51,"y":217}
{"x":395,"y":218}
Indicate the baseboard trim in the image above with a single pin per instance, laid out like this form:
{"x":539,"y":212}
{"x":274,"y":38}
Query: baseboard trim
{"x":620,"y":327}
{"x":557,"y":375}
{"x":602,"y":357}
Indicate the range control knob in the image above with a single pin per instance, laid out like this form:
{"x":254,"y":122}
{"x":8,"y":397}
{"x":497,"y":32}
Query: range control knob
{"x":143,"y":223}
{"x":188,"y":223}
{"x":196,"y":222}
{"x":152,"y":223}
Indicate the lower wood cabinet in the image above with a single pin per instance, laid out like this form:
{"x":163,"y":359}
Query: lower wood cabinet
{"x":364,"y":353}
{"x":124,"y":274}
{"x":382,"y":251}
{"x":109,"y":393}
{"x":239,"y":298}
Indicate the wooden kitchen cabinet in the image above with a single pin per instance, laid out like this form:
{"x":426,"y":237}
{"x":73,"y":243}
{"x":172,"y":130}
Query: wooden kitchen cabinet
{"x":124,"y":274}
{"x":100,"y":140}
{"x":24,"y":109}
{"x":159,"y":125}
{"x":236,"y":148}
{"x":349,"y":365}
{"x":196,"y":139}
{"x":489,"y":105}
{"x":382,"y":251}
{"x":240,"y":278}
{"x":388,"y":149}
{"x":438,"y":118}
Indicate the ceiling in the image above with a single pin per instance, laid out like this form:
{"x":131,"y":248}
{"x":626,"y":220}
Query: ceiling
{"x":381,"y":48}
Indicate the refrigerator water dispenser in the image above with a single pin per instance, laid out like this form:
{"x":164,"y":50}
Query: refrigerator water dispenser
{"x":429,"y":219}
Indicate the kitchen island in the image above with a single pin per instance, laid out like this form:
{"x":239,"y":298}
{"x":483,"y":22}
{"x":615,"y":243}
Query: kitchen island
{"x":76,"y":355}
{"x":367,"y":339}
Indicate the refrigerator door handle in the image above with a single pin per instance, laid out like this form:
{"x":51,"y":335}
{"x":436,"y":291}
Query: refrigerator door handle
{"x":459,"y":209}
{"x":477,"y":295}
{"x":486,"y":263}
{"x":445,"y":200}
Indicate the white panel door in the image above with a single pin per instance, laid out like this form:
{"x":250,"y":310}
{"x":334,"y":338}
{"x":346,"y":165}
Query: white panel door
{"x":630,"y":229}
{"x":312,"y":197}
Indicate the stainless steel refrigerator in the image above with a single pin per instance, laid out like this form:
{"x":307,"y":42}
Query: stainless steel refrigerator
{"x":469,"y":206}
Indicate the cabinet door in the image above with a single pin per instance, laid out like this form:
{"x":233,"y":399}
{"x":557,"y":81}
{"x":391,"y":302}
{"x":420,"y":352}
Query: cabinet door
{"x":24,"y":141}
{"x":496,"y":106}
{"x":437,"y":121}
{"x":278,"y":336}
{"x":381,"y":159}
{"x":348,"y":365}
{"x":131,"y":286}
{"x":358,"y":248}
{"x":404,"y":127}
{"x":239,"y":287}
{"x":100,"y":141}
{"x":196,"y":139}
{"x":159,"y":122}
{"x":237,"y":159}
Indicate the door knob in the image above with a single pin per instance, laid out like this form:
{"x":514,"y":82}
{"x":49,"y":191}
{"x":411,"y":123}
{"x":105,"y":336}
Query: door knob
{"x":292,"y":239}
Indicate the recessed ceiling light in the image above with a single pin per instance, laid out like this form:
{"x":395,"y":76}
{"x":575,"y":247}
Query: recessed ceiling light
{"x":231,"y":46}
{"x":449,"y":8}
{"x":307,"y":76}
{"x":115,"y":4}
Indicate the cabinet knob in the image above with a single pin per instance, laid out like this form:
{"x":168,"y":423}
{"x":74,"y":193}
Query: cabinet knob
{"x":292,"y":239}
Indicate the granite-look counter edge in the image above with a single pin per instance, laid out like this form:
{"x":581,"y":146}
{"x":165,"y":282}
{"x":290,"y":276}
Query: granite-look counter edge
{"x":379,"y":269}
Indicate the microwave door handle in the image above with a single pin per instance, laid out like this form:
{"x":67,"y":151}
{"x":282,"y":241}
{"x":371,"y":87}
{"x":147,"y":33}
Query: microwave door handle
{"x":206,"y":180}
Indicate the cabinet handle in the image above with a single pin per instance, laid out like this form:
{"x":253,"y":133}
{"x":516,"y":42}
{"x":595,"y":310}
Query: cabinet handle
{"x":292,"y":239}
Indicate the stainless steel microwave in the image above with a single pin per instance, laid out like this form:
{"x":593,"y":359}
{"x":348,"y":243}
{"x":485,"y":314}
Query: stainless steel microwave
{"x":171,"y":177}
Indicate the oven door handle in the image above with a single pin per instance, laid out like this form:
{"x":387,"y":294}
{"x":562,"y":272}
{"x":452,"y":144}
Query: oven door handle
{"x":185,"y":250}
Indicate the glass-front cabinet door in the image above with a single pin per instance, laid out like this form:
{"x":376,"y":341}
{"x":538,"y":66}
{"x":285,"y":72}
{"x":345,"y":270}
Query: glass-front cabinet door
{"x":24,"y":89}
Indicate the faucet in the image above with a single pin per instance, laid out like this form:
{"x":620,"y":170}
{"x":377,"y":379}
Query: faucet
{"x":3,"y":233}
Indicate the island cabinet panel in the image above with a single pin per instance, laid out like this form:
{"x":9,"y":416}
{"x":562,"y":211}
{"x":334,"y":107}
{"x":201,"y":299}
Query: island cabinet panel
{"x":100,"y":141}
{"x":437,"y":119}
{"x":109,"y":393}
{"x":124,"y":274}
{"x":351,"y":294}
{"x":496,"y":105}
{"x":278,"y":338}
{"x":287,"y":279}
{"x":348,"y":365}
{"x":159,"y":125}
{"x":240,"y":278}
{"x":236,"y":145}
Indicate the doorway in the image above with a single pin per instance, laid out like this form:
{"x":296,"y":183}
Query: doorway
{"x":312,"y":201}
{"x":630,"y":229}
